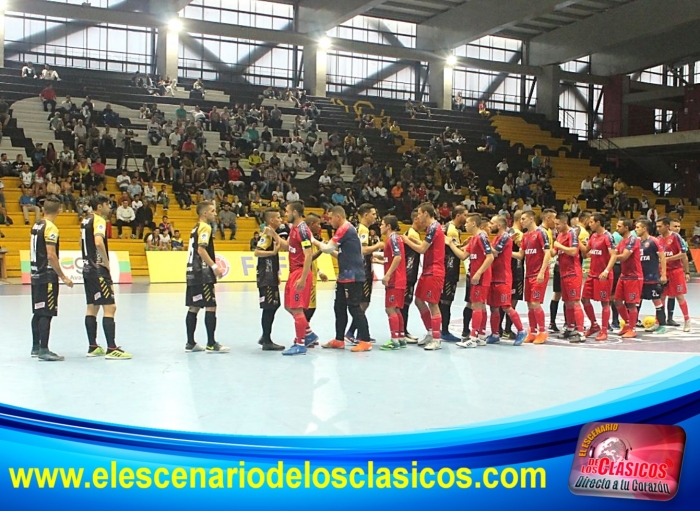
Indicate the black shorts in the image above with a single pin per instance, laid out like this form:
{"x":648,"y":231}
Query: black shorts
{"x":366,"y":291}
{"x":200,"y":295}
{"x":468,"y":289}
{"x":349,"y":293}
{"x":408,"y":294}
{"x":556,"y":280}
{"x":99,"y":289}
{"x":45,"y":299}
{"x":269,"y":297}
{"x":448,"y":292}
{"x":652,"y":291}
{"x":518,"y":289}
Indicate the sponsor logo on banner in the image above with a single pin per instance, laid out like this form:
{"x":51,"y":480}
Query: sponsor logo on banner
{"x":223,"y":265}
{"x":629,"y":461}
{"x":71,"y":262}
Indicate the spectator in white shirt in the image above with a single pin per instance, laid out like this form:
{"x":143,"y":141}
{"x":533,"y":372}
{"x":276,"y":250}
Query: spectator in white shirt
{"x":123,"y":181}
{"x":136,"y":203}
{"x":325,"y":179}
{"x":28,"y":71}
{"x":292,"y":195}
{"x":502,"y":167}
{"x":126,"y":216}
{"x":154,"y":241}
{"x":587,"y":187}
{"x":49,"y":74}
{"x":150,"y":195}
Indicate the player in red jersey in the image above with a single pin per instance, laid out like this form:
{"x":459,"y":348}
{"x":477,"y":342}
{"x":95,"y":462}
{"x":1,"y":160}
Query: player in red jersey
{"x":394,"y":280}
{"x":431,"y":281}
{"x":566,"y":248}
{"x":534,"y":250}
{"x":297,"y":291}
{"x":629,"y":287}
{"x":598,"y":286}
{"x":502,"y":282}
{"x":676,"y":250}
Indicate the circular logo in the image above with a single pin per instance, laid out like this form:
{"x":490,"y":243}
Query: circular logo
{"x":223,"y":265}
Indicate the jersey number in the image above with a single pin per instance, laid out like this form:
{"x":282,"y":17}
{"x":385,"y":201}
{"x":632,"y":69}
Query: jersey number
{"x":32,"y":249}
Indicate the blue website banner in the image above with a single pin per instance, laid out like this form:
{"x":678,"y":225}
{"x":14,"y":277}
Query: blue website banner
{"x":525,"y":463}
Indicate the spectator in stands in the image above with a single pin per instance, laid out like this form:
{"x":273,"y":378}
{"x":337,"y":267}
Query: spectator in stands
{"x":155,"y":134}
{"x":110,"y":117}
{"x":483,"y":112}
{"x":696,"y":235}
{"x":144,"y":218}
{"x":643,"y":205}
{"x":80,"y":133}
{"x":134,"y":188}
{"x":150,"y":195}
{"x":6,"y":168}
{"x":49,"y":74}
{"x":276,"y":117}
{"x":503,"y":167}
{"x":99,"y":169}
{"x":254,"y":240}
{"x":410,"y":109}
{"x":422,"y":108}
{"x":458,"y":103}
{"x":48,"y":97}
{"x":176,"y":243}
{"x":227,"y":220}
{"x":27,"y":202}
{"x":94,"y":137}
{"x":338,"y":198}
{"x":587,"y":188}
{"x":197,"y":89}
{"x":680,"y":209}
{"x":87,"y":110}
{"x":4,"y":114}
{"x":154,"y":241}
{"x":292,"y":195}
{"x":619,"y":186}
{"x":164,"y":198}
{"x":66,"y":195}
{"x":28,"y":71}
{"x":53,"y":187}
{"x":395,"y":132}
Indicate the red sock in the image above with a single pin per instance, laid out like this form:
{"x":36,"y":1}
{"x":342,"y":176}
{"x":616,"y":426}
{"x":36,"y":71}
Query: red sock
{"x":515,"y":319}
{"x":394,"y":325}
{"x":437,"y":325}
{"x":567,"y":316}
{"x":622,"y":311}
{"x":634,"y":315}
{"x":495,"y":322}
{"x":588,"y":307}
{"x":532,"y":319}
{"x":300,"y":326}
{"x":476,"y":321}
{"x":402,"y":327}
{"x":578,"y":317}
{"x":484,"y":320}
{"x":606,"y":318}
{"x":539,"y":312}
{"x":427,"y":320}
{"x":684,"y":310}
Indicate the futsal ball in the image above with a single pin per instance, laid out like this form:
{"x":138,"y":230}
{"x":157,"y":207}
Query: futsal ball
{"x":649,"y":322}
{"x":622,"y":323}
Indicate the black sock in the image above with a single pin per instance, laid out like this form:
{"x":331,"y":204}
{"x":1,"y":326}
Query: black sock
{"x":615,"y":315}
{"x":404,"y":313}
{"x":509,"y":324}
{"x":466,"y":321}
{"x":36,"y":338}
{"x":44,"y":329}
{"x":309,"y":313}
{"x":268,"y":316}
{"x":210,"y":324}
{"x":553,"y":310}
{"x":352,"y":329}
{"x":502,"y":315}
{"x":91,"y":329}
{"x":446,"y":313}
{"x":110,"y":330}
{"x":671,"y":307}
{"x":191,"y":325}
{"x":661,"y":315}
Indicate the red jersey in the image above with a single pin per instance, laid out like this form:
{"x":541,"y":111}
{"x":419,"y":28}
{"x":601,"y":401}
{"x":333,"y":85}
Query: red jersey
{"x":434,"y":257}
{"x":600,"y":246}
{"x":478,"y":248}
{"x":299,"y":239}
{"x":502,"y":269}
{"x":673,"y":244}
{"x":569,"y":266}
{"x":631,"y":269}
{"x":394,"y":248}
{"x":534,"y":243}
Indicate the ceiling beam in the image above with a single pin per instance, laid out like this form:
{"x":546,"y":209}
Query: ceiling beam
{"x":478,"y":18}
{"x":600,"y":32}
{"x":318,"y":16}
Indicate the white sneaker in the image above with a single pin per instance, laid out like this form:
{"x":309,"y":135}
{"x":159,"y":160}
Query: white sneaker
{"x":481,"y":340}
{"x":425,"y":340}
{"x":686,"y":326}
{"x":411,"y":339}
{"x":434,"y":344}
{"x":467,"y":342}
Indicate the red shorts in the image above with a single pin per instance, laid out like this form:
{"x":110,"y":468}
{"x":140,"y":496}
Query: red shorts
{"x":499,"y":295}
{"x":429,"y":288}
{"x":571,"y":288}
{"x":534,"y":292}
{"x":598,"y":290}
{"x":394,"y":297}
{"x":629,"y":291}
{"x":676,"y":283}
{"x":294,"y":299}
{"x":479,"y":294}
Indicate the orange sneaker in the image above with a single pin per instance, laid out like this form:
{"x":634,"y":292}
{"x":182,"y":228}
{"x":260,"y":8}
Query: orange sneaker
{"x":530,"y":337}
{"x":624,"y":330}
{"x":602,"y":336}
{"x":362,"y":346}
{"x":629,"y":334}
{"x":335,"y":344}
{"x":540,"y":338}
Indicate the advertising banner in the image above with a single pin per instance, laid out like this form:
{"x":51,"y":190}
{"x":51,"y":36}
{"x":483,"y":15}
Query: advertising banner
{"x":72,"y":265}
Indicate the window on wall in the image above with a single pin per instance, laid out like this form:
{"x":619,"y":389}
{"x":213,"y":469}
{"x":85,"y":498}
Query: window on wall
{"x":498,"y":49}
{"x":367,"y":29}
{"x":247,"y":13}
{"x":574,"y":109}
{"x":60,"y":42}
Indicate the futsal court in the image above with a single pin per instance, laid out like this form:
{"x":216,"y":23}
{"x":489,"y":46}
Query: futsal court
{"x":327,"y":392}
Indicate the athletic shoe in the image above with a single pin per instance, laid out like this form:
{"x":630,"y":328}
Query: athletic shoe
{"x":96,"y":351}
{"x":402,"y":343}
{"x":594,"y":329}
{"x":566,"y":334}
{"x":670,"y":322}
{"x":310,"y":339}
{"x":449,"y":337}
{"x":372,"y":340}
{"x":629,"y":334}
{"x":117,"y":354}
{"x":520,"y":338}
{"x":541,"y":338}
{"x":425,"y":340}
{"x":193,"y":348}
{"x":296,"y":349}
{"x":509,"y":334}
{"x":467,"y":342}
{"x":660,"y":330}
{"x":35,"y":351}
{"x":686,"y":325}
{"x":624,"y":330}
{"x":335,"y":344}
{"x":530,"y":337}
{"x":493,"y":339}
{"x":362,"y":346}
{"x":217,"y":348}
{"x":602,"y":336}
{"x":390,"y":345}
{"x":652,"y":329}
{"x":576,"y":338}
{"x":271,"y":346}
{"x":50,"y":356}
{"x":553,"y":328}
{"x":481,"y":340}
{"x":614,"y":326}
{"x":433,"y":345}
{"x":639,"y":324}
{"x":411,"y":339}
{"x":349,"y":339}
